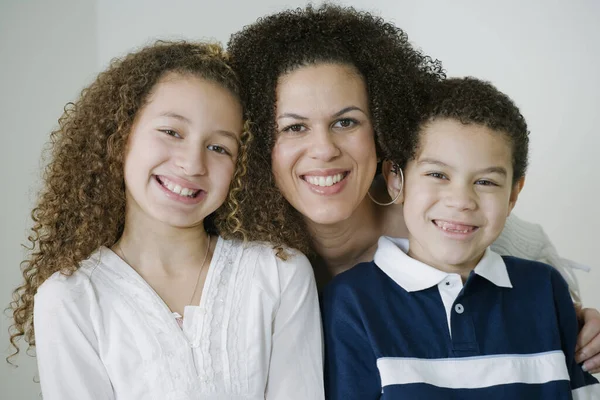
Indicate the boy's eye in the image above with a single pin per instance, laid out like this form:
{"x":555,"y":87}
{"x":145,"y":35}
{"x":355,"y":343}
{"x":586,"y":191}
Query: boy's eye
{"x":437,"y":175}
{"x":171,"y":132}
{"x":217,"y":149}
{"x":295,"y":128}
{"x":485,"y":182}
{"x":345,"y":123}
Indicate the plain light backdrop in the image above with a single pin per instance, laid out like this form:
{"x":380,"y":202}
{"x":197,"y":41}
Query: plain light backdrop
{"x":544,"y":54}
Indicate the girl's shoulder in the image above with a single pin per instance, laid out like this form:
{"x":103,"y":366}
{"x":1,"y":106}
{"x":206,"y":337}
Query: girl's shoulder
{"x":271,"y":269}
{"x":61,"y":288}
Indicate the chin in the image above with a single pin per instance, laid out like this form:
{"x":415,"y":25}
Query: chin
{"x":326,"y":216}
{"x":179,"y":221}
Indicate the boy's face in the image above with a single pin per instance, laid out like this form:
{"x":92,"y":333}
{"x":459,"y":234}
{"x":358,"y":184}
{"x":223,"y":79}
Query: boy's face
{"x":458,"y":193}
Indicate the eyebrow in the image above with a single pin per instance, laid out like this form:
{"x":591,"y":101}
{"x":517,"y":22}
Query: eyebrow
{"x":348,"y":109}
{"x":231,"y":135}
{"x":337,"y":114}
{"x":490,"y":170}
{"x":180,"y":117}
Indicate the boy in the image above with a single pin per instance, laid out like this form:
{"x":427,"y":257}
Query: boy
{"x":439,"y":315}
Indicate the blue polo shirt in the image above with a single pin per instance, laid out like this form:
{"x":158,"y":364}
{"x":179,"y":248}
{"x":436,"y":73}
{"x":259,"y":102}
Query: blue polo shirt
{"x":396,"y":328}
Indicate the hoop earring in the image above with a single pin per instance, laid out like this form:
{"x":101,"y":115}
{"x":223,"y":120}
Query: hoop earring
{"x":397,"y":196}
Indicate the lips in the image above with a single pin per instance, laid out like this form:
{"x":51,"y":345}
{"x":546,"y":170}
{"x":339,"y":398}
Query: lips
{"x":455,"y":227}
{"x":176,"y":188}
{"x":324,"y":180}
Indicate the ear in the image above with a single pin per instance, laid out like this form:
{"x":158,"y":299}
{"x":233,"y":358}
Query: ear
{"x":394,"y":181}
{"x":514,"y":194}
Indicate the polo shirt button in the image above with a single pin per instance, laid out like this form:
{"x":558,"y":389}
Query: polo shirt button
{"x":459,"y":308}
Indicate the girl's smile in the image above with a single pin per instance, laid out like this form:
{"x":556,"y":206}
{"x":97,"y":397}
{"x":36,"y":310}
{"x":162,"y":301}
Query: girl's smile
{"x":182,"y":192}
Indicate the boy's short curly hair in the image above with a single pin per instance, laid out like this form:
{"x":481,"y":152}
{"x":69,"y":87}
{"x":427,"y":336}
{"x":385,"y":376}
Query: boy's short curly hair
{"x":395,"y":74}
{"x":473,"y":101}
{"x":82,"y":203}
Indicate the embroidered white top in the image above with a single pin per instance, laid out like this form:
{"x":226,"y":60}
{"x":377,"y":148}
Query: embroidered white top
{"x":103,"y":333}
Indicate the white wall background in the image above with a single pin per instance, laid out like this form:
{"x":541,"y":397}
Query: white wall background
{"x":543,"y":54}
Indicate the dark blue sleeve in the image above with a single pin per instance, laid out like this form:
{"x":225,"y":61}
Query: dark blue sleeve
{"x":350,"y":364}
{"x":581,"y":381}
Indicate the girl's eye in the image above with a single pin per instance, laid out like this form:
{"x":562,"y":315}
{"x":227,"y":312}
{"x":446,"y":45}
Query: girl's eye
{"x":485,"y":182}
{"x":217,"y":149}
{"x":345,"y":123}
{"x":295,"y":128}
{"x":171,"y":132}
{"x":437,"y":175}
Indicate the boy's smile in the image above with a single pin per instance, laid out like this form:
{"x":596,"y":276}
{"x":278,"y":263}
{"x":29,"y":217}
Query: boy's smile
{"x":458,"y":193}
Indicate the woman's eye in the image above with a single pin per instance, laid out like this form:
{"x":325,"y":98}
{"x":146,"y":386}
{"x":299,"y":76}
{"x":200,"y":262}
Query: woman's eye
{"x":217,"y":149}
{"x":437,"y":175}
{"x":345,"y":123}
{"x":294,"y":128}
{"x":171,"y":132}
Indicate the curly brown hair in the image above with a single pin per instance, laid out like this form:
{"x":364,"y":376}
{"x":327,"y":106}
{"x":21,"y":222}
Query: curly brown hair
{"x":396,"y":76}
{"x":474,"y":101}
{"x":82,"y":203}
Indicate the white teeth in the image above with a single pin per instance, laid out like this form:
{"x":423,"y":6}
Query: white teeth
{"x":454,"y":230}
{"x":446,"y":228}
{"x":329,"y":180}
{"x":177,"y":189}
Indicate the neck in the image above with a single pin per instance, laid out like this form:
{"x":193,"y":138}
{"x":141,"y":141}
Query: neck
{"x":463,"y":269}
{"x":150,"y":245}
{"x":342,"y":245}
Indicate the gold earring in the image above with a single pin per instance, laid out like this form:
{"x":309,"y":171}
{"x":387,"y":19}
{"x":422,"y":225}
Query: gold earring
{"x":395,"y":170}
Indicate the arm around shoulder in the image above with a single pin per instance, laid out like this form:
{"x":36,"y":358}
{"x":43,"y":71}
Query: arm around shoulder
{"x":66,"y":345}
{"x":524,"y":239}
{"x":583,"y":385}
{"x":296,"y":367}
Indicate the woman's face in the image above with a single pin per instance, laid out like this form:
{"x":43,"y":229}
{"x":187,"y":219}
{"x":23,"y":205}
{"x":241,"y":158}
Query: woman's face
{"x":324,"y":157}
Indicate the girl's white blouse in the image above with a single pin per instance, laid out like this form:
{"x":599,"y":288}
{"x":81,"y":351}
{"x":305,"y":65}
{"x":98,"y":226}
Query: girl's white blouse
{"x":103,"y":333}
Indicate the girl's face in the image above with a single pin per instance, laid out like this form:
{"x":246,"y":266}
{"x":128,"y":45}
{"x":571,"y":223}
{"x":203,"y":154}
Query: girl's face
{"x":324,"y":157}
{"x":182,"y":151}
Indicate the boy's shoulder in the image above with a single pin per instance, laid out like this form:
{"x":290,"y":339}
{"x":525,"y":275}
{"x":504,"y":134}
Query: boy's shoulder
{"x":521,"y":267}
{"x":360,"y":278}
{"x":531,"y":274}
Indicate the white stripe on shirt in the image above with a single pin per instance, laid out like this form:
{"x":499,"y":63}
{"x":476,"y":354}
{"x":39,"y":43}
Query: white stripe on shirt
{"x":474,"y":372}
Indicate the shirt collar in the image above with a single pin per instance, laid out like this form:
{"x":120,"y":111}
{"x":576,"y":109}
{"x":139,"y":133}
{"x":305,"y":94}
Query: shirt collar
{"x":414,"y":275}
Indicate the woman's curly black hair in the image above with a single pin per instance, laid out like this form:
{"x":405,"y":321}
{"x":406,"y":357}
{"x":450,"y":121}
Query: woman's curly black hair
{"x":474,"y":101}
{"x":396,"y":76}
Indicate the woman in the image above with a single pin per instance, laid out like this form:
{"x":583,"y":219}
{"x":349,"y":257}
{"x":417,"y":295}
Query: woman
{"x":322,"y":86}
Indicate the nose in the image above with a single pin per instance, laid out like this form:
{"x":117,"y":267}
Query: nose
{"x":324,"y":145}
{"x":461,"y":197}
{"x":192,"y":160}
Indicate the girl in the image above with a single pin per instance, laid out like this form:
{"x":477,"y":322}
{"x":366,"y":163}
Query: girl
{"x":131,"y":292}
{"x":323,"y":86}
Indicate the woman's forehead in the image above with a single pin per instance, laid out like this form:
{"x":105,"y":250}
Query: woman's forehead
{"x":321,"y":86}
